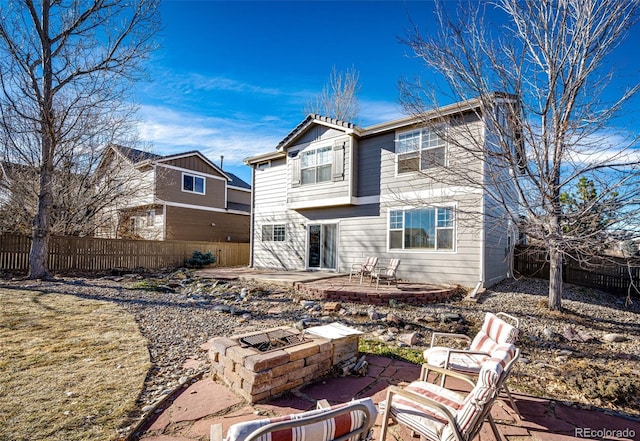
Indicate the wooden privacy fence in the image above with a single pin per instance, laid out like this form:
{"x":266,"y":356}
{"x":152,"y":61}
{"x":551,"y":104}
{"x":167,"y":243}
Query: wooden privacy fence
{"x":97,"y":254}
{"x":611,"y":274}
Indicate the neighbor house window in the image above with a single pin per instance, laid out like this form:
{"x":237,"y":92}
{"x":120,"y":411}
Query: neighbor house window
{"x":192,"y":183}
{"x":315,"y":165}
{"x":419,"y":150}
{"x":273,"y":233}
{"x":422,"y":229}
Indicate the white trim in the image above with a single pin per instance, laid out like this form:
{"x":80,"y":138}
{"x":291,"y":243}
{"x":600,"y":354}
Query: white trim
{"x":327,"y":202}
{"x":453,"y":205}
{"x":204,"y":184}
{"x":307,"y":232}
{"x":193,"y":153}
{"x":201,"y":208}
{"x":233,"y":187}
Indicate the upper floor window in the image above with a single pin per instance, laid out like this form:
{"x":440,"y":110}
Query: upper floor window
{"x":273,"y":233}
{"x":422,"y":229}
{"x":420,"y":150}
{"x":315,"y":165}
{"x":192,"y":183}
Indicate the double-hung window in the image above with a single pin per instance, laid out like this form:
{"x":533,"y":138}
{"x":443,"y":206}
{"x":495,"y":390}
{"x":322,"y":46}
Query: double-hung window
{"x":315,"y":165}
{"x":273,"y":233}
{"x":193,"y":183}
{"x":420,"y":150}
{"x":422,"y":229}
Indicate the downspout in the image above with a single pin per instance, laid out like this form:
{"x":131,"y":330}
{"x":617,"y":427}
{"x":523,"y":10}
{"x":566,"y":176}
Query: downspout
{"x":252,"y":215}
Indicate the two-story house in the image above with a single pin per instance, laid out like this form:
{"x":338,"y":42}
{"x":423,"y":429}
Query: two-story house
{"x":332,"y":193}
{"x":183,"y":196}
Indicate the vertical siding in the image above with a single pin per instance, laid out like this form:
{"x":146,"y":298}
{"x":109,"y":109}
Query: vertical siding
{"x":169,"y":189}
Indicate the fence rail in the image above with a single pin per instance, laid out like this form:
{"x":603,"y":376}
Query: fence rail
{"x":97,"y":254}
{"x":611,"y":274}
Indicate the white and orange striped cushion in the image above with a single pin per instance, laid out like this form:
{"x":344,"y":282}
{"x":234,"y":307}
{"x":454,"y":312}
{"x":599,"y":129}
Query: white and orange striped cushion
{"x":430,"y":422}
{"x":324,"y":430}
{"x":494,"y":332}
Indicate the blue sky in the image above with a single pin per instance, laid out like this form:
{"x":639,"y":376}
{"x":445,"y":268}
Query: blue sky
{"x":233,"y":78}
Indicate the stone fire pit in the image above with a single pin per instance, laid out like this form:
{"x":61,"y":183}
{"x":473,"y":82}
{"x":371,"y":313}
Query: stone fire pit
{"x":264,"y":364}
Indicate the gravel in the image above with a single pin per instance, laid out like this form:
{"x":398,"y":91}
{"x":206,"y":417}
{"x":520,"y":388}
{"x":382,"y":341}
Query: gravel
{"x":178,"y":313}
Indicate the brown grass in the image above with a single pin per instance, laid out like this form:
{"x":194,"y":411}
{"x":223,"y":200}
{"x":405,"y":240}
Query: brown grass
{"x":70,"y":368}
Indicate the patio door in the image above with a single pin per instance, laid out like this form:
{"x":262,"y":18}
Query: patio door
{"x":322,"y":240}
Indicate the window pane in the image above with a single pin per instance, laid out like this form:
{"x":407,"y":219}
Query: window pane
{"x":408,"y":162}
{"x":324,"y":155}
{"x":432,"y":158}
{"x":267,"y":233}
{"x":419,"y":228}
{"x":187,"y":183}
{"x":279,"y":233}
{"x":395,"y":219}
{"x":445,"y":239}
{"x":308,"y":159}
{"x":324,"y":173}
{"x":408,"y":142}
{"x":445,"y":217}
{"x":308,"y":176}
{"x":198,"y":185}
{"x":395,"y":240}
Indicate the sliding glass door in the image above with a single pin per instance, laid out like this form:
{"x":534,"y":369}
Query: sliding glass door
{"x":322,"y":240}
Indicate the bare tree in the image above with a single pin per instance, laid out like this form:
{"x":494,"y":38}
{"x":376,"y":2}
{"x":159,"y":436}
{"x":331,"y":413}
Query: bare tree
{"x":551,"y":57}
{"x":65,"y":68}
{"x":339,"y":97}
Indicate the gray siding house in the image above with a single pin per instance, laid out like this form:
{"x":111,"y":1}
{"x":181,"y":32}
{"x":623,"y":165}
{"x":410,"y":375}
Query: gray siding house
{"x":331,"y":194}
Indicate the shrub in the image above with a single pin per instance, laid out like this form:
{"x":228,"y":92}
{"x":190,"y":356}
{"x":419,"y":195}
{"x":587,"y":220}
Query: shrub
{"x":199,"y":259}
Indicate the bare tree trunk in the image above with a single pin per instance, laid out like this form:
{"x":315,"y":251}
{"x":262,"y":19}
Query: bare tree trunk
{"x":39,"y":253}
{"x":555,"y":278}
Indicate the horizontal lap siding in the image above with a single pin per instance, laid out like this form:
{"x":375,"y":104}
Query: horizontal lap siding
{"x":270,"y":192}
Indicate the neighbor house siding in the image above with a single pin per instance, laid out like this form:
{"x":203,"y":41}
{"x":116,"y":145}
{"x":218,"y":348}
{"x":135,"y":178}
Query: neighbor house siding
{"x":211,"y":226}
{"x":169,"y":189}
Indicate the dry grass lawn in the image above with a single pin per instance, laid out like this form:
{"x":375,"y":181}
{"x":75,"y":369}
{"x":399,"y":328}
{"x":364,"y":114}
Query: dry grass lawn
{"x":70,"y":368}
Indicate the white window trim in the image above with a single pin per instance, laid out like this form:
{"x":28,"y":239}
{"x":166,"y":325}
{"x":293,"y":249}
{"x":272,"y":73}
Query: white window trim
{"x":193,"y":175}
{"x":454,"y":250}
{"x":315,"y":150}
{"x":420,"y":150}
{"x":284,"y":227}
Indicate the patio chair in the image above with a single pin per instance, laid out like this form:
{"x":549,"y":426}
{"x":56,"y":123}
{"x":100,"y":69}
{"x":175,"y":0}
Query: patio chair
{"x":497,"y":329}
{"x":348,"y":421}
{"x":440,"y":414}
{"x":387,"y":273}
{"x":363,"y":269}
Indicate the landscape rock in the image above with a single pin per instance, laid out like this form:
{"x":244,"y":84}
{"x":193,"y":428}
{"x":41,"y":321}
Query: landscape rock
{"x":394,"y":318}
{"x":409,"y":339}
{"x":614,"y":338}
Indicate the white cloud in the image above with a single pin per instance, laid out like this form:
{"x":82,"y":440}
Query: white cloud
{"x":172,"y":131}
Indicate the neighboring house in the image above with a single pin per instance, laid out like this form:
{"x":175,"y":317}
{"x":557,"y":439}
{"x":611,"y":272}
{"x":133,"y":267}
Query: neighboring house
{"x":176,"y":197}
{"x":333,"y":193}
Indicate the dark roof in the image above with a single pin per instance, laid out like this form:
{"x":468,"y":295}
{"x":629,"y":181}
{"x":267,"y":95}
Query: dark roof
{"x":135,"y":155}
{"x":237,"y":182}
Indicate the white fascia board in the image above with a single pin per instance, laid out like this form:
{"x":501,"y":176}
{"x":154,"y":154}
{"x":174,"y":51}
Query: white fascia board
{"x":202,"y":208}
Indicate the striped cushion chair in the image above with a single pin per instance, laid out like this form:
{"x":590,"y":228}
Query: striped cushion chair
{"x":497,"y":329}
{"x":440,"y":414}
{"x":348,"y":421}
